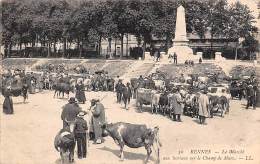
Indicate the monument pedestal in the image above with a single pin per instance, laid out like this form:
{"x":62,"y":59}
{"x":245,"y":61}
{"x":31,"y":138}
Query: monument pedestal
{"x":180,"y":42}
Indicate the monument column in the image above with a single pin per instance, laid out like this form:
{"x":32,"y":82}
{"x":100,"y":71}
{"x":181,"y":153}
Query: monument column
{"x":181,"y":42}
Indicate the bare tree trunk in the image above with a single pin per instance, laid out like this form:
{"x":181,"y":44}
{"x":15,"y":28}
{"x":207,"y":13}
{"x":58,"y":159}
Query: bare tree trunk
{"x":99,"y":45}
{"x":211,"y":46}
{"x":122,"y":45}
{"x":49,"y":47}
{"x":109,"y":44}
{"x":115,"y":47}
{"x":64,"y":47}
{"x":9,"y":49}
{"x":126,"y":44}
{"x":144,"y":47}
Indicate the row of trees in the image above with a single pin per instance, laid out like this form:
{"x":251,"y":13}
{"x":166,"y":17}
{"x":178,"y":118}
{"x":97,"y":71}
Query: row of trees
{"x":86,"y":21}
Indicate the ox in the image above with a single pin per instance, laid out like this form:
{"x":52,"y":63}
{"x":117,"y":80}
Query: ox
{"x":16,"y":88}
{"x":218,"y":104}
{"x":63,"y":88}
{"x":159,"y":84}
{"x":64,"y":142}
{"x":147,"y":97}
{"x":134,"y":136}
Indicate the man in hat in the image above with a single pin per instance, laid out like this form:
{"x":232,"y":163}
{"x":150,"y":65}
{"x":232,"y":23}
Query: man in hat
{"x":127,"y":94}
{"x":119,"y":90}
{"x":251,"y":96}
{"x":176,"y":105}
{"x":70,"y":111}
{"x":98,"y":119}
{"x":203,"y":106}
{"x":80,"y":134}
{"x":175,"y":58}
{"x":116,"y":81}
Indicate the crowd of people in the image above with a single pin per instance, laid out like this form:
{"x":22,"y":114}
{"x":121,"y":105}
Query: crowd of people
{"x":76,"y":128}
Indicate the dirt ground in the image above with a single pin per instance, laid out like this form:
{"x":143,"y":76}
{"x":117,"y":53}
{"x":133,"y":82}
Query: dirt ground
{"x":27,"y":136}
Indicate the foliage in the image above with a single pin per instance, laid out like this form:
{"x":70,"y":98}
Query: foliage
{"x":87,"y":21}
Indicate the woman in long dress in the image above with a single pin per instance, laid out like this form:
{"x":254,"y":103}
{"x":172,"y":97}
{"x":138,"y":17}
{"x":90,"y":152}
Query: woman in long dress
{"x":8,"y":104}
{"x":80,"y":92}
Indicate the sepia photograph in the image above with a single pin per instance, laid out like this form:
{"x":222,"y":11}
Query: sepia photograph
{"x":130,"y":82}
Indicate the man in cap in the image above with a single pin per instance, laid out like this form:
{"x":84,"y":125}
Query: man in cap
{"x":80,"y":134}
{"x":251,"y":96}
{"x":98,"y":119}
{"x":119,"y":90}
{"x":203,"y":106}
{"x":70,"y":111}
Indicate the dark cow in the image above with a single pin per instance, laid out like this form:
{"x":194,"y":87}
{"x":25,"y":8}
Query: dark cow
{"x":62,"y":88}
{"x":191,"y":106}
{"x":64,"y":142}
{"x":16,"y":89}
{"x":163,"y":103}
{"x":134,"y":136}
{"x":144,"y":97}
{"x":218,"y":104}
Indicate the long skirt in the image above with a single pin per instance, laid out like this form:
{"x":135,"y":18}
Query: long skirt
{"x":8,"y":106}
{"x":80,"y":96}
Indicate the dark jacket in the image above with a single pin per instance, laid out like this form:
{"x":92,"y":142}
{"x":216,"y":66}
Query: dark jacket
{"x":81,"y":125}
{"x":70,"y":112}
{"x":127,"y":92}
{"x":119,"y":87}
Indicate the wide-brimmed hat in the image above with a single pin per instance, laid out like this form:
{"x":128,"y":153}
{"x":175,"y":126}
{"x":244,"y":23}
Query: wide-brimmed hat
{"x":81,"y":114}
{"x":94,"y":100}
{"x":72,"y":100}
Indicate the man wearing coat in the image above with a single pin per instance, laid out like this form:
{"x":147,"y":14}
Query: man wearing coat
{"x":203,"y":106}
{"x":119,"y":91}
{"x":127,"y":94}
{"x":70,"y":111}
{"x":176,"y":105}
{"x":98,"y":119}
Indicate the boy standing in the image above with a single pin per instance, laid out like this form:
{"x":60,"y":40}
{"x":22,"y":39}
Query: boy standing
{"x":80,"y":134}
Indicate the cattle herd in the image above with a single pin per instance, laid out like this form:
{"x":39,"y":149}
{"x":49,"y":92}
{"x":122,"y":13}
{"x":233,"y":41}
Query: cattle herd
{"x":156,"y":90}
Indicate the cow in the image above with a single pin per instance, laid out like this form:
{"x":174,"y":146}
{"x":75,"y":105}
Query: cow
{"x":191,"y":105}
{"x":218,"y":104}
{"x":163,"y":103}
{"x":159,"y":84}
{"x":144,"y":97}
{"x":62,"y":88}
{"x":155,"y":102}
{"x":64,"y":142}
{"x":134,"y":136}
{"x":16,"y":88}
{"x":87,"y":83}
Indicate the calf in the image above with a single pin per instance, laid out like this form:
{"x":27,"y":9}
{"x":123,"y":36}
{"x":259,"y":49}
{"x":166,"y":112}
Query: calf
{"x":134,"y":136}
{"x":64,"y":143}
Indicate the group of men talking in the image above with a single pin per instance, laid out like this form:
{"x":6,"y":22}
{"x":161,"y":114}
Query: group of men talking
{"x":72,"y":114}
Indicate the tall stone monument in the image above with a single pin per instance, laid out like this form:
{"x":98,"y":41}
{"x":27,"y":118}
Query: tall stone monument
{"x":180,"y":42}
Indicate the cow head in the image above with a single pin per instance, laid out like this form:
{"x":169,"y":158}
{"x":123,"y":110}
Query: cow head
{"x":105,"y":129}
{"x":71,"y":126}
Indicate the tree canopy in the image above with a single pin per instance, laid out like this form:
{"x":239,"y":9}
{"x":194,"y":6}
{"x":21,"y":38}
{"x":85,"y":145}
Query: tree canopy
{"x":89,"y":21}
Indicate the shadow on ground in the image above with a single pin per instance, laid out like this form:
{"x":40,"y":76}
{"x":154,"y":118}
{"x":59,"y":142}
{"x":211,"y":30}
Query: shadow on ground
{"x":127,"y":155}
